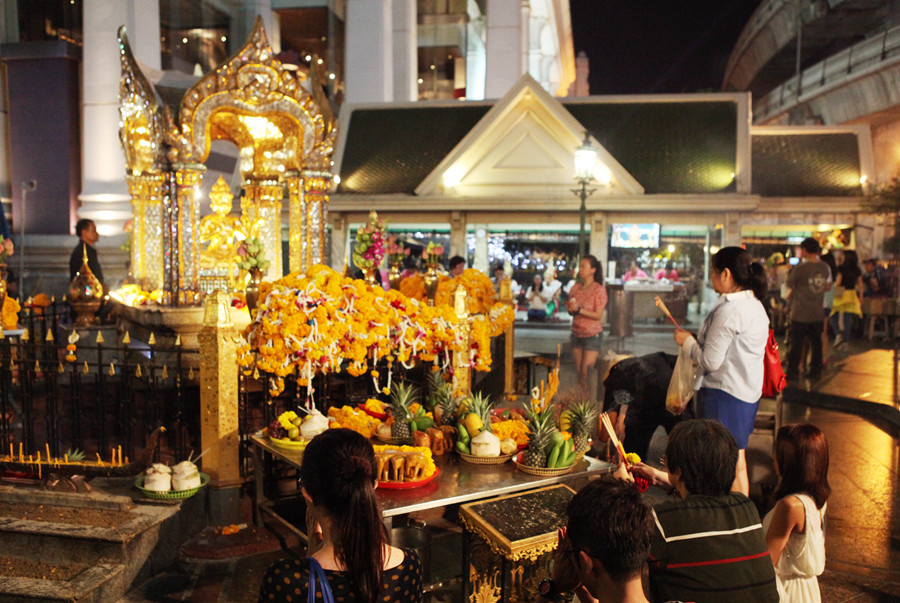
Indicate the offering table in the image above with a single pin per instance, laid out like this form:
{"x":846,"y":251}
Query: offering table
{"x":458,"y":482}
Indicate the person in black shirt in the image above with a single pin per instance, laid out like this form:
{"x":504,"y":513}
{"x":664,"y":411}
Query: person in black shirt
{"x":86,"y":231}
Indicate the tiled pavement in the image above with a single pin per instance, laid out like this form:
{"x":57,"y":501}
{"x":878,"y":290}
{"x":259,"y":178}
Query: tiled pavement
{"x":854,"y":404}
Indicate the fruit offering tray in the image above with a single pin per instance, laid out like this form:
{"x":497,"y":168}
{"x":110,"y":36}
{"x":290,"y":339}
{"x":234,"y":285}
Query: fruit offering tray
{"x":409,"y":485}
{"x":485,"y":460}
{"x":543,"y":471}
{"x":395,"y":441}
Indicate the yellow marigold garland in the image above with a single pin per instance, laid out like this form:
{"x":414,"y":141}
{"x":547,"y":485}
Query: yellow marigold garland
{"x":310,"y":323}
{"x":10,"y":313}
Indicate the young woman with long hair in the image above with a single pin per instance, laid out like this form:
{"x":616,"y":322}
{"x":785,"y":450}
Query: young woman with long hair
{"x":729,"y":349}
{"x":795,"y":526}
{"x":347,"y":536}
{"x":586,"y":303}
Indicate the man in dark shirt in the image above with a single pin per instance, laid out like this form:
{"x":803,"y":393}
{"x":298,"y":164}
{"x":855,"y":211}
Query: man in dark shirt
{"x":86,"y":231}
{"x":708,"y":545}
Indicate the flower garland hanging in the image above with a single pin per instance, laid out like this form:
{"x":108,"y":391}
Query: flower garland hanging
{"x":313,"y":323}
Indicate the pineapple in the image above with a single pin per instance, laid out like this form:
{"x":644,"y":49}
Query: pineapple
{"x":440,"y":392}
{"x":582,"y":416}
{"x":541,"y":426}
{"x":402,"y":396}
{"x":478,"y":415}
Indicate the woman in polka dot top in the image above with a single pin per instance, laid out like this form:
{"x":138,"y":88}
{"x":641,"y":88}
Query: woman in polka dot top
{"x":346,"y":533}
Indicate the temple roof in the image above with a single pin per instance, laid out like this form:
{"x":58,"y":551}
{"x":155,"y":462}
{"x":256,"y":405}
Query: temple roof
{"x":669,"y":146}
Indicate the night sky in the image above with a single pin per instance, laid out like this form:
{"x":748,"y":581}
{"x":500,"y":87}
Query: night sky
{"x":657,"y":46}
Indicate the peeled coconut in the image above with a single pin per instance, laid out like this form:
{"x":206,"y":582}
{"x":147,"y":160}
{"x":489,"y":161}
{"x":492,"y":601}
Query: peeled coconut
{"x":314,"y":424}
{"x":158,"y":478}
{"x":485,"y":444}
{"x":508,"y":446}
{"x":185,"y":476}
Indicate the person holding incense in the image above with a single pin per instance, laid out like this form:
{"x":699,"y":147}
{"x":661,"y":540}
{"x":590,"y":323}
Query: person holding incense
{"x":708,"y":545}
{"x":729,"y":350}
{"x":603,"y":547}
{"x":586,"y":304}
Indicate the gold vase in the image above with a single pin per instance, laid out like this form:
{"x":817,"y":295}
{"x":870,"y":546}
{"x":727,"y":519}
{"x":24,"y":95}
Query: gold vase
{"x":431,"y":283}
{"x":394,"y":276}
{"x":251,"y":293}
{"x":369,"y":276}
{"x":85,"y":295}
{"x":2,"y":285}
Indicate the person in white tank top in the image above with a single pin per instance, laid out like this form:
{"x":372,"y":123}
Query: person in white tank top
{"x":795,"y":527}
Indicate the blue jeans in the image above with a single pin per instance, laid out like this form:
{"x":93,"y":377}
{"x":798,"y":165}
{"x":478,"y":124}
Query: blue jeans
{"x":844,"y":323}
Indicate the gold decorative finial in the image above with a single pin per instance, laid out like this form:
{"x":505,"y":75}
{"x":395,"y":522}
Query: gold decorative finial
{"x":86,"y":370}
{"x":152,"y":340}
{"x":100,"y":337}
{"x":165,"y":372}
{"x":127,"y":339}
{"x":112,"y":370}
{"x":137,"y":372}
{"x":178,"y":340}
{"x":25,"y":335}
{"x":49,"y":336}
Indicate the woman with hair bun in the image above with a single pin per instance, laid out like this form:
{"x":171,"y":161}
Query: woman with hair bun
{"x":347,"y":537}
{"x":795,"y":527}
{"x":729,"y":349}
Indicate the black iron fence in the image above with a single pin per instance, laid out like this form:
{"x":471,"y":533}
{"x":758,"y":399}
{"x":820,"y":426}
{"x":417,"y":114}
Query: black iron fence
{"x":102,"y":395}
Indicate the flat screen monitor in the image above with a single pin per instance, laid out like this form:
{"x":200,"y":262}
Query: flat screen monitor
{"x":635,"y":235}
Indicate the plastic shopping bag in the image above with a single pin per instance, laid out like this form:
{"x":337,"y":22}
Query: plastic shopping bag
{"x":681,"y":386}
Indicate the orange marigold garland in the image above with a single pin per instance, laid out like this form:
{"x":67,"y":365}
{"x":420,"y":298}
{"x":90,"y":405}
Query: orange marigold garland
{"x":311,"y":323}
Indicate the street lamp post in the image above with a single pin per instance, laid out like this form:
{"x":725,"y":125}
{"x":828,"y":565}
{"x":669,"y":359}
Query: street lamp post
{"x":585,"y":159}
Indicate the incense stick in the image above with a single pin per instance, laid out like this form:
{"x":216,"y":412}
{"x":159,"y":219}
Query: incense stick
{"x":607,"y":423}
{"x":662,"y":306}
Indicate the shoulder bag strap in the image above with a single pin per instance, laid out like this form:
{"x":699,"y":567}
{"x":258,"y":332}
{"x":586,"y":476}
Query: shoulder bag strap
{"x":316,"y":573}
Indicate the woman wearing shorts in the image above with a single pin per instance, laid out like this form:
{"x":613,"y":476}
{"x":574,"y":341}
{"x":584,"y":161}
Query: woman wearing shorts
{"x":729,"y":349}
{"x":587,"y":301}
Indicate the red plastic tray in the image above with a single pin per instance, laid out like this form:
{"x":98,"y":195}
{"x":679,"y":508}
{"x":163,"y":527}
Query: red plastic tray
{"x":409,"y":485}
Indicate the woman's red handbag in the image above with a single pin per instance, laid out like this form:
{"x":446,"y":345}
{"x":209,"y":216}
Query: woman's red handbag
{"x":773,"y":374}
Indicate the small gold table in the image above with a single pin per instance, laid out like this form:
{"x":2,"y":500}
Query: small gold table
{"x":516,"y":527}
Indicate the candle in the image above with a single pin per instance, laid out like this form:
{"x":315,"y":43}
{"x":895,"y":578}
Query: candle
{"x":66,"y":457}
{"x":126,"y":460}
{"x":11,"y":457}
{"x":21,"y":456}
{"x":47,"y":444}
{"x":120,"y":455}
{"x":99,"y":460}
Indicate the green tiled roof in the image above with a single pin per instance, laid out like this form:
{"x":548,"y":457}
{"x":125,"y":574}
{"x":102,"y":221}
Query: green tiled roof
{"x":806,"y":165}
{"x":682,"y":147}
{"x":674,"y":147}
{"x":394,"y":150}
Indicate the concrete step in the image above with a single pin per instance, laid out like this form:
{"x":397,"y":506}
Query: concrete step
{"x":97,"y":584}
{"x":137,"y":540}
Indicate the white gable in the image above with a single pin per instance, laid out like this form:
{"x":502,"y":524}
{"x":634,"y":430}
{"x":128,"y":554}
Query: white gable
{"x":524,"y":146}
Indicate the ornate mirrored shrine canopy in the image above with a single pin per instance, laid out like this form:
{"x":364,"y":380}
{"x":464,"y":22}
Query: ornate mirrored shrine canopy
{"x":285,"y":135}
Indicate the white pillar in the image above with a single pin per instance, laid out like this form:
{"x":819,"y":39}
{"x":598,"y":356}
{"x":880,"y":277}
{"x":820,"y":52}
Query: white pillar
{"x":405,"y":59}
{"x":481,"y":260}
{"x":507,"y":45}
{"x":369,"y":67}
{"x":104,"y":196}
{"x":599,"y":238}
{"x":475,"y":67}
{"x":458,"y":229}
{"x":339,"y":236}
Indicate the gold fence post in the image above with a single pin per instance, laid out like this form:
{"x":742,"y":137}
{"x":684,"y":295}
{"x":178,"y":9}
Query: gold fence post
{"x":219,"y":408}
{"x":462,"y":370}
{"x":509,"y":342}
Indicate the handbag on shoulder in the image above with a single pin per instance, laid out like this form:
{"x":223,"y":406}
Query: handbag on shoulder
{"x":773,"y":375}
{"x":316,"y":573}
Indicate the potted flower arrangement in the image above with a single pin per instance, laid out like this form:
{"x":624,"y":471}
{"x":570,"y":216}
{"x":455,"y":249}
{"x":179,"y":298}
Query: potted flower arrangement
{"x":251,"y":257}
{"x":369,"y":250}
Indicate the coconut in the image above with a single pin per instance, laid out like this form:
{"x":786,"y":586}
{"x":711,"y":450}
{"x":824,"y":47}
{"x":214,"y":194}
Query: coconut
{"x":485,"y":444}
{"x":314,"y":424}
{"x":508,"y":446}
{"x":158,"y":478}
{"x":185,"y":476}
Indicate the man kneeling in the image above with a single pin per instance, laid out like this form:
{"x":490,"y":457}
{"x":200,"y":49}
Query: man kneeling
{"x":603,"y":546}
